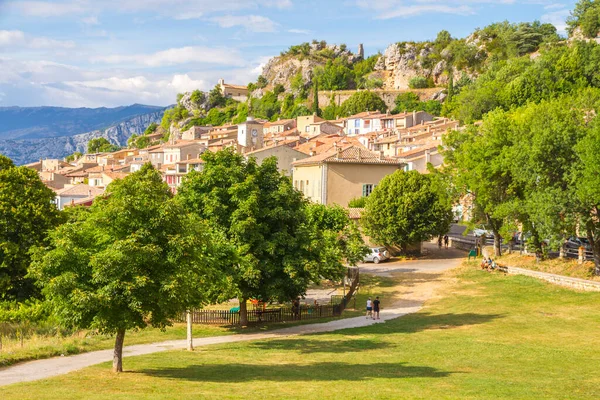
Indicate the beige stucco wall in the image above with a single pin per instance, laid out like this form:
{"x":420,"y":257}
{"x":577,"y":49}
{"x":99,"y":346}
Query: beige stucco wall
{"x":285,"y":157}
{"x":311,"y":174}
{"x":345,"y":181}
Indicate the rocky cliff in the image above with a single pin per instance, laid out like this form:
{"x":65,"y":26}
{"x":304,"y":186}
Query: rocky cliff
{"x":29,"y":150}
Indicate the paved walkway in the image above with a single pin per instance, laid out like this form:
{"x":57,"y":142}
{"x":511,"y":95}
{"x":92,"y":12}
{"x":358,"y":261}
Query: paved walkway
{"x":41,"y":369}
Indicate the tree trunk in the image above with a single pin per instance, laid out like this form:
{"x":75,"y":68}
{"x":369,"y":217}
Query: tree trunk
{"x":596,"y":253}
{"x":243,"y":312}
{"x":190,"y":339}
{"x":497,"y":247}
{"x":118,"y":353}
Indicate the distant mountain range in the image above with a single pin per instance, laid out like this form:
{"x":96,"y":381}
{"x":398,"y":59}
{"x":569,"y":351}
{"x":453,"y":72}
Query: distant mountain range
{"x":28,"y":134}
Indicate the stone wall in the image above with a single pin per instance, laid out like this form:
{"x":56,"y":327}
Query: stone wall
{"x":575,"y":283}
{"x":388,"y":96}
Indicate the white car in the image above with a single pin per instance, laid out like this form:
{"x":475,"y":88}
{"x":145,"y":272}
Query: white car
{"x":377,"y":254}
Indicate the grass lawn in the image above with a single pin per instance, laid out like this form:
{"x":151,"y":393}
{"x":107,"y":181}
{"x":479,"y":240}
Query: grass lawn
{"x":488,"y":336}
{"x":567,"y":267}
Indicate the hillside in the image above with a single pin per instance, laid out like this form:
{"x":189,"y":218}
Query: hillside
{"x":23,"y":151}
{"x":46,"y":122}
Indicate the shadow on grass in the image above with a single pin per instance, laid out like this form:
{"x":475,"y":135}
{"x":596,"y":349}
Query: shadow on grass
{"x":312,"y":346}
{"x":332,"y":371}
{"x":419,"y":322}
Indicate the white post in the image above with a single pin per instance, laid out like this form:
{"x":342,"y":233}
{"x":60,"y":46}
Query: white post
{"x":190,"y":340}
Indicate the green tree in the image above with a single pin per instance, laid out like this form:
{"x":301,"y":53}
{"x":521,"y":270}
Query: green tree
{"x":335,"y":75}
{"x":480,"y":162}
{"x":27,"y":212}
{"x":135,"y":259}
{"x":586,"y":189}
{"x":407,"y":101}
{"x":101,"y":145}
{"x":72,"y":157}
{"x":585,"y":15}
{"x":264,"y":218}
{"x":418,"y":82}
{"x":363,"y":101}
{"x":216,"y":98}
{"x":332,"y":111}
{"x":336,"y":237}
{"x":197,"y":98}
{"x":298,"y":86}
{"x":407,"y":208}
{"x":315,"y":104}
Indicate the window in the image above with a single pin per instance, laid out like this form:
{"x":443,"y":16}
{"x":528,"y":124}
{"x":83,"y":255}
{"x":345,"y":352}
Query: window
{"x":308,"y":189}
{"x":295,"y":184}
{"x":367,"y":189}
{"x":368,"y":124}
{"x":302,"y":186}
{"x":357,"y":123}
{"x":307,"y":129}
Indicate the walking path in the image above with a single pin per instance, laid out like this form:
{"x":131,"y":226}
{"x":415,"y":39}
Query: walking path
{"x":421,"y":288}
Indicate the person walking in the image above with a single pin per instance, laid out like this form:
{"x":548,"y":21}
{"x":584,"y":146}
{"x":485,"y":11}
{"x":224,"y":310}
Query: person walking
{"x":369,"y":308}
{"x":440,"y":241}
{"x":446,"y":240}
{"x":376,"y":305}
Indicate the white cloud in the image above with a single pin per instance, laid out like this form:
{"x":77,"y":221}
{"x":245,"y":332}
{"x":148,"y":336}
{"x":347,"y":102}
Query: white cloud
{"x":177,"y":56}
{"x":19,"y":39}
{"x":411,"y":11}
{"x":281,"y":4}
{"x":11,"y":38}
{"x":558,"y":19}
{"x":49,"y":9}
{"x":554,"y":6}
{"x":253,"y":23}
{"x":300,"y":31}
{"x":90,"y":20}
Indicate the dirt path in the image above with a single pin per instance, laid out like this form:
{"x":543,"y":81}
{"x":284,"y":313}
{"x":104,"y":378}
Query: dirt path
{"x":419,"y":281}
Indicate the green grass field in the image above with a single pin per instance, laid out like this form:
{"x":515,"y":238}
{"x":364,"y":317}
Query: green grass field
{"x":489,"y":336}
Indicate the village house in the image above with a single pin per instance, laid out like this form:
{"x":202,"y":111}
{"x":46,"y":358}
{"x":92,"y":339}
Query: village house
{"x":76,"y":195}
{"x":250,"y":135}
{"x":236,"y":92}
{"x":279,"y":126}
{"x":342,"y":174}
{"x":303,"y":123}
{"x":374,"y":121}
{"x":284,"y":153}
{"x":173,"y":174}
{"x":323,"y":128}
{"x":181,"y":150}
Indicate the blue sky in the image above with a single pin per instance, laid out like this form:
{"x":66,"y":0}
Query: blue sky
{"x":93,"y":53}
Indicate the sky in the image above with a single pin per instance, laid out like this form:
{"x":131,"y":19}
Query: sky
{"x":108,"y":53}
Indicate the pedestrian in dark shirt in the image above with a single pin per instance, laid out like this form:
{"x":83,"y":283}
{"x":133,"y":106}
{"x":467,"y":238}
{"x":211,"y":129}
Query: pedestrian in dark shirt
{"x":376,"y":308}
{"x":446,"y":240}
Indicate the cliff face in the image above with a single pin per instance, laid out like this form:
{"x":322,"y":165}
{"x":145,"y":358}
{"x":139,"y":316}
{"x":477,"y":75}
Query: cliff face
{"x":402,"y":62}
{"x":281,"y":69}
{"x":29,"y":150}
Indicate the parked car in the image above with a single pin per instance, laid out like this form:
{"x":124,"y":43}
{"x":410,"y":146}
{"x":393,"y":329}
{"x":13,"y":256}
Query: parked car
{"x":576,"y":242}
{"x":477,"y":232}
{"x":377,"y":254}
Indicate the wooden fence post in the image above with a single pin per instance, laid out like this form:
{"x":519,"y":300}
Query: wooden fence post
{"x":190,"y":339}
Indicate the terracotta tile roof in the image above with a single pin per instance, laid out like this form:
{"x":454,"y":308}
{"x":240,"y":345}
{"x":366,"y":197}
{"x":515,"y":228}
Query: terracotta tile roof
{"x":115,"y":175}
{"x":365,"y":114}
{"x":238,"y":87}
{"x":323,"y":143}
{"x":420,"y":149}
{"x":181,"y":143}
{"x":279,"y":144}
{"x":351,"y":155}
{"x":191,"y":161}
{"x":80,"y":190}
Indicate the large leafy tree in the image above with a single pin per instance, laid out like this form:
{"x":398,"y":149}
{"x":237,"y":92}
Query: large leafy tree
{"x":264,"y":217}
{"x":479,"y":160}
{"x":26,"y":214}
{"x":337,"y":237}
{"x":135,"y":258}
{"x":101,"y":145}
{"x":363,"y":101}
{"x":407,"y":208}
{"x":586,"y":189}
